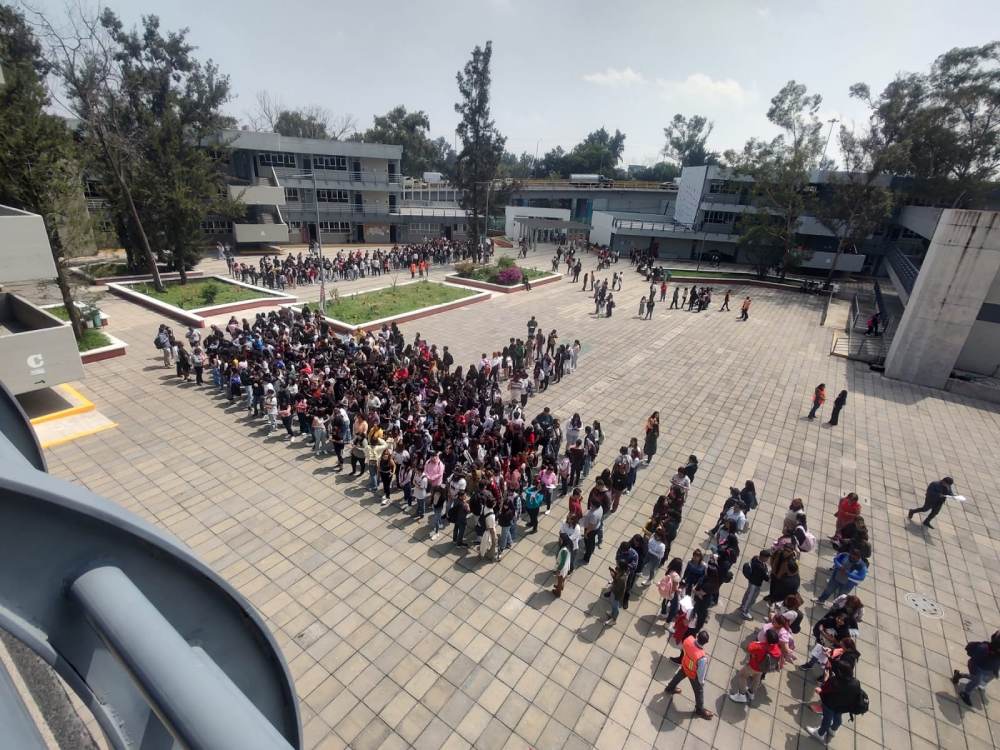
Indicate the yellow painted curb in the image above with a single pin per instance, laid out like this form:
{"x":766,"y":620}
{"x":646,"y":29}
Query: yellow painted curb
{"x":85,"y":406}
{"x":78,"y":435}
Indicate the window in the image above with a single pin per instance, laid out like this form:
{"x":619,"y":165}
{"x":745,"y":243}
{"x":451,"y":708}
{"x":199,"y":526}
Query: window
{"x":269,"y":159}
{"x":333,"y":196}
{"x":723,"y":187}
{"x":216,"y":226}
{"x":330,"y":162}
{"x":719,"y":217}
{"x":92,"y":189}
{"x":292,"y":195}
{"x":335,"y":226}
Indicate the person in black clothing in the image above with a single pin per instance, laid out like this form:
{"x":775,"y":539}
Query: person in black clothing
{"x":937,"y":493}
{"x":984,"y":665}
{"x":706,"y":593}
{"x":838,"y":404}
{"x":838,"y":695}
{"x":691,"y":468}
{"x":756,"y":573}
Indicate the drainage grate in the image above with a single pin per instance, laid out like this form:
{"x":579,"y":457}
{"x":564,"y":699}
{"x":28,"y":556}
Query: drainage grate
{"x":925,"y":607}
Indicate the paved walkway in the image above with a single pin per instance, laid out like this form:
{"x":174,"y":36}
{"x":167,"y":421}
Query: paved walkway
{"x":397,"y":642}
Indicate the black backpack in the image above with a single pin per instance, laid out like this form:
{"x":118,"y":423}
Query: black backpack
{"x":859,"y":703}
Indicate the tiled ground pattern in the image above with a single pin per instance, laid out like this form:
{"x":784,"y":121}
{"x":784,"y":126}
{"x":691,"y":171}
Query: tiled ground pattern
{"x":397,"y":642}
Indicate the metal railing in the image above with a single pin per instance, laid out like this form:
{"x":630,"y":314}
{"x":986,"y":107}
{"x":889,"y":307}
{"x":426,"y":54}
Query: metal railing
{"x":540,"y":184}
{"x":905,"y":268}
{"x":365,"y":176}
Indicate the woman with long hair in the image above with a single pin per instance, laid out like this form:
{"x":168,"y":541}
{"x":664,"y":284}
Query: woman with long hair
{"x":652,"y":435}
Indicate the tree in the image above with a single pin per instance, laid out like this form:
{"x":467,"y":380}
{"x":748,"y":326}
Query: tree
{"x":409,"y":130}
{"x":662,"y":171}
{"x":38,"y":170}
{"x":686,"y":141}
{"x":780,"y":170}
{"x":150,"y":111}
{"x":598,"y":153}
{"x":313,"y":121}
{"x":482,"y":144}
{"x":84,"y":58}
{"x":855,"y":202}
{"x":942,"y":128}
{"x":517,"y":167}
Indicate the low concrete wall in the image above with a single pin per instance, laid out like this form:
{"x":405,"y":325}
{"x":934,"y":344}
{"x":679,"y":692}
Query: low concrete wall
{"x":457,"y":280}
{"x":196,"y":317}
{"x":81,"y":272}
{"x":117,"y":348}
{"x":41,"y":355}
{"x":973,"y":389}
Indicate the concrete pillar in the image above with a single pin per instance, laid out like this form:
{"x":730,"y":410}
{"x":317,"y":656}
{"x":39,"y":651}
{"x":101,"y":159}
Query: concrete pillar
{"x":955,"y":278}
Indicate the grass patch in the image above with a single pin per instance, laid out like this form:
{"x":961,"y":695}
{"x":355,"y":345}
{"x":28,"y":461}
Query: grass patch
{"x":197,"y":293}
{"x":59,"y":312}
{"x":92,"y":340}
{"x":384,"y":303}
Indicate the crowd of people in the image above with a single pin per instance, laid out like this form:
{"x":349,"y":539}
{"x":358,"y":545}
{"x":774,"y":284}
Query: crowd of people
{"x":275,"y":272}
{"x":457,"y":446}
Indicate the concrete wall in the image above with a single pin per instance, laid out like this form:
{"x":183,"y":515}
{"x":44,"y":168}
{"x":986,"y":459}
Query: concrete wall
{"x":260,"y":233}
{"x":513,"y":230}
{"x":24,"y":247}
{"x":41,"y":353}
{"x":920,"y":219}
{"x":957,"y":276}
{"x":600,"y":232}
{"x":689,"y":194}
{"x":258,"y":195}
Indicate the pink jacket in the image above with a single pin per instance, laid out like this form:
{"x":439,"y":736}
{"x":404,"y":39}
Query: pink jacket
{"x":669,"y":585}
{"x":434,"y":469}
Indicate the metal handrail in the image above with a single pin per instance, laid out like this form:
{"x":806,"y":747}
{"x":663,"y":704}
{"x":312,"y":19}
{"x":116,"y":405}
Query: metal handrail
{"x":906,"y":270}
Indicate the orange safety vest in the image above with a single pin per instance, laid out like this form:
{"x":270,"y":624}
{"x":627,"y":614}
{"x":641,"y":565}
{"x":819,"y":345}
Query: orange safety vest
{"x":691,"y":655}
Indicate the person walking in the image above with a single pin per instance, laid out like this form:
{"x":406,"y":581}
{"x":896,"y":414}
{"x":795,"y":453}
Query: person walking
{"x":745,"y":309}
{"x":650,"y":304}
{"x":725,"y":301}
{"x":819,"y":397}
{"x":849,"y":569}
{"x":619,"y":586}
{"x":983,"y":666}
{"x":694,"y":666}
{"x":838,"y":405}
{"x":937,"y":493}
{"x":673,"y":300}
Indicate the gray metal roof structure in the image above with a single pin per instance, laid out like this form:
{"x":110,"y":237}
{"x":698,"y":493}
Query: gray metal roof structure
{"x":245,"y":139}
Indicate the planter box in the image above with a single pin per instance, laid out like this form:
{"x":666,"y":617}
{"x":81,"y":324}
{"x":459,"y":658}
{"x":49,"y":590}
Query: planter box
{"x":86,"y":321}
{"x":81,"y":272}
{"x":196,"y":317}
{"x":422,"y":312}
{"x":455,"y":279}
{"x":117,"y":348}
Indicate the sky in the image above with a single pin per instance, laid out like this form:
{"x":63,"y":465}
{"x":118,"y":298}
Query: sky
{"x":562,"y":68}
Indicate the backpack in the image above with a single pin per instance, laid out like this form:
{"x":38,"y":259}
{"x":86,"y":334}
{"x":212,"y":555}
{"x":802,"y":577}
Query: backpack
{"x":747,"y":570}
{"x":808,"y":543}
{"x":158,"y":342}
{"x":859,"y":703}
{"x":770,"y":664}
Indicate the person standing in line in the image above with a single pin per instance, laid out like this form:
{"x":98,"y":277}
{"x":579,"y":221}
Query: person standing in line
{"x":642,"y":307}
{"x":937,"y":493}
{"x":838,"y":404}
{"x":745,"y":309}
{"x":564,"y":557}
{"x":983,"y":666}
{"x":691,"y":468}
{"x":848,"y":571}
{"x":673,"y":301}
{"x":652,"y":435}
{"x":694,"y":666}
{"x":763,"y":657}
{"x":684,"y":299}
{"x":756,"y":573}
{"x":650,"y":304}
{"x":819,"y":397}
{"x":725,"y":301}
{"x":841,"y":693}
{"x":663,"y":291}
{"x":619,"y":585}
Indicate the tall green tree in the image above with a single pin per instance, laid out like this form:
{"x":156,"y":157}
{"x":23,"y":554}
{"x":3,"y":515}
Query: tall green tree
{"x":687,"y":139}
{"x":482,"y":144}
{"x":271,"y":116}
{"x":146,"y":104}
{"x":38,"y":168}
{"x":411,"y":130}
{"x":779,"y":169}
{"x":942,"y":128}
{"x":598,"y":153}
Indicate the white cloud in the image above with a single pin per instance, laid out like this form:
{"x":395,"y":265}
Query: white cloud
{"x":763,"y":12}
{"x":704,"y":88}
{"x":614,"y":77}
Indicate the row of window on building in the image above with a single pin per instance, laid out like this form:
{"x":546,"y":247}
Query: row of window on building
{"x":277,"y":159}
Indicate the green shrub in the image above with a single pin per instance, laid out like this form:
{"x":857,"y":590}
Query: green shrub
{"x":208,"y":293}
{"x":505,"y":261}
{"x":465,"y":267}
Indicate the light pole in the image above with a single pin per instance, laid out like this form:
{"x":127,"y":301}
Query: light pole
{"x":829,"y":133}
{"x":319,"y":240}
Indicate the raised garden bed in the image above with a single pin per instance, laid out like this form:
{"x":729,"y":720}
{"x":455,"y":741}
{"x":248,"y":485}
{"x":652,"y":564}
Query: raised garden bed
{"x":199,"y":299}
{"x":59,"y":310}
{"x":504,"y":276}
{"x":105,"y":272}
{"x":96,"y":344}
{"x":396,"y":304}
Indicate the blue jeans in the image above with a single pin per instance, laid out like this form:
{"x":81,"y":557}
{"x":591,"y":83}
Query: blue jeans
{"x":977,"y":679}
{"x":319,"y":441}
{"x":614,"y":606}
{"x":506,"y":540}
{"x":408,"y":494}
{"x":651,"y":564}
{"x":600,"y":532}
{"x":835,"y":588}
{"x":831,"y":720}
{"x":749,"y":598}
{"x":373,"y":477}
{"x":631,"y":479}
{"x":436,"y":524}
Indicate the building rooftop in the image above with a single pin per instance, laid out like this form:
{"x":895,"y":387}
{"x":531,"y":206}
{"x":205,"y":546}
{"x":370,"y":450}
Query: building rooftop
{"x":250,"y":141}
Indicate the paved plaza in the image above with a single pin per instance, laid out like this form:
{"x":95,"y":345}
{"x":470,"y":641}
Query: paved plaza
{"x":395,"y":641}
